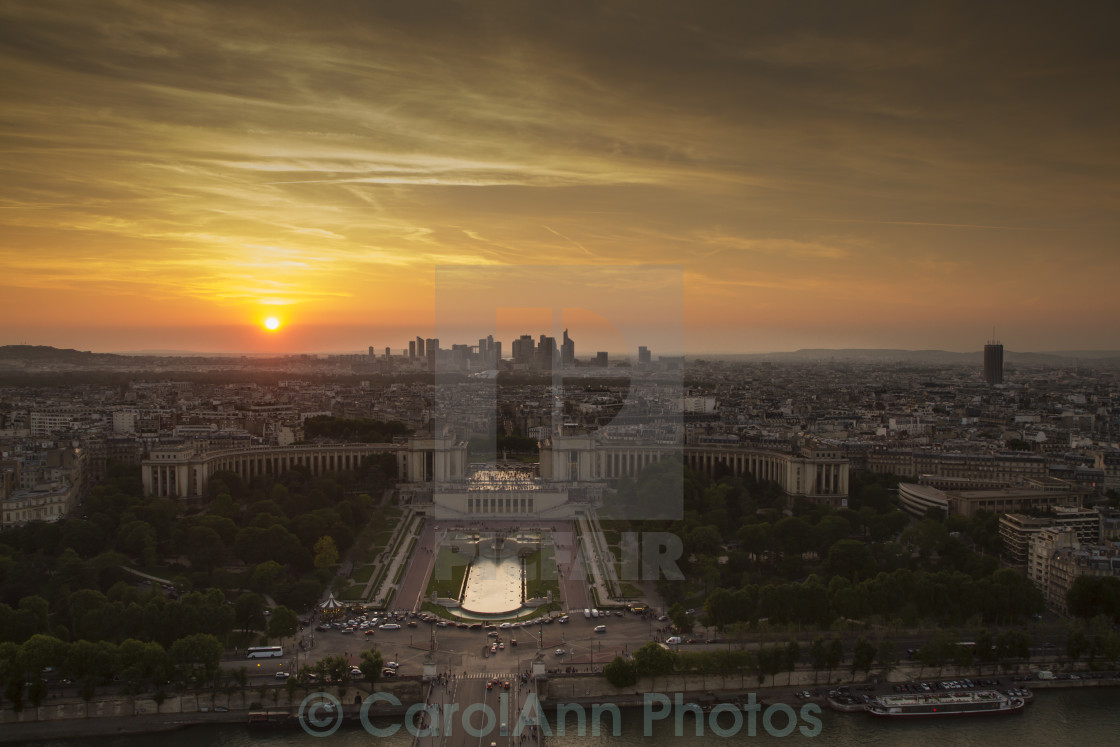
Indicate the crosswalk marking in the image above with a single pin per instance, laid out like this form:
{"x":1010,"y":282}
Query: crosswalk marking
{"x":490,"y":676}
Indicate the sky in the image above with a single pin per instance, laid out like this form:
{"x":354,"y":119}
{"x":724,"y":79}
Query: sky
{"x":816,"y":174}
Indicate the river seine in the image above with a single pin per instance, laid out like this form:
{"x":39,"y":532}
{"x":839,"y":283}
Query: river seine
{"x":1089,"y":716}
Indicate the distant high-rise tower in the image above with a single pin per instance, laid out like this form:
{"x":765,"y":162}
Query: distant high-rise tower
{"x":643,"y":354}
{"x":568,"y":351}
{"x":993,"y":362}
{"x":431,"y":351}
{"x":412,"y":350}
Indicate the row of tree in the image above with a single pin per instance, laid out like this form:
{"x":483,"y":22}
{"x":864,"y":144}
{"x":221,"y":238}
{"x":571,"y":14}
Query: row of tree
{"x":135,"y":666}
{"x":910,"y":596}
{"x":824,"y":654}
{"x":128,"y":612}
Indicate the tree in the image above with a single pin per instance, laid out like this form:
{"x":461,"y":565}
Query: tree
{"x":818,"y":655}
{"x":863,"y":655}
{"x":680,"y":617}
{"x":851,"y":559}
{"x":652,"y":660}
{"x":196,"y":657}
{"x":204,"y":548}
{"x":326,"y":552}
{"x":264,"y":576}
{"x":621,"y":673}
{"x":792,"y":656}
{"x":370,"y":663}
{"x":282,"y":623}
{"x":335,"y":667}
{"x":248,"y":611}
{"x":887,"y":654}
{"x":835,"y":655}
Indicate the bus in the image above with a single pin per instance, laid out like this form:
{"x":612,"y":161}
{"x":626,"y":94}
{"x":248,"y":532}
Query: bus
{"x":264,"y":652}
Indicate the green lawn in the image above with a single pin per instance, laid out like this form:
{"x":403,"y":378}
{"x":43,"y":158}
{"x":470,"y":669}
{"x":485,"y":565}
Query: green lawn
{"x":362,"y":575}
{"x":447,"y":574}
{"x":540,"y":574}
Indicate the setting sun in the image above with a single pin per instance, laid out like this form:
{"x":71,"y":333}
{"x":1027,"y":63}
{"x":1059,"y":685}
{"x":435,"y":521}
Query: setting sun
{"x":272,"y":323}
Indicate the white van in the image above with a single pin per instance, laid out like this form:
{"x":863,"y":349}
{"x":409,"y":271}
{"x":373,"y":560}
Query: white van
{"x":390,"y":626}
{"x":595,"y":613}
{"x":586,"y":613}
{"x":600,"y":628}
{"x":673,"y":639}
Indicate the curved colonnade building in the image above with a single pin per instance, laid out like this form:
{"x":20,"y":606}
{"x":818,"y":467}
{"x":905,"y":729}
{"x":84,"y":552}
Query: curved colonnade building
{"x":181,"y":472}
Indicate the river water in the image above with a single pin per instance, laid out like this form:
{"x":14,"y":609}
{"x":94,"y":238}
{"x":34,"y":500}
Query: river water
{"x":1057,"y":717}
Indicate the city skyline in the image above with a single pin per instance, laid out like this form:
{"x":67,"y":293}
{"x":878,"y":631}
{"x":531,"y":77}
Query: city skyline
{"x":871,"y":176}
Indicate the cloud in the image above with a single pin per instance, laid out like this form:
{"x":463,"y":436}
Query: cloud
{"x":224,"y":152}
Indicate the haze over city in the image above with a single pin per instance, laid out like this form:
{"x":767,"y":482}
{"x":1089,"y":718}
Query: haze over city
{"x":871,"y":175}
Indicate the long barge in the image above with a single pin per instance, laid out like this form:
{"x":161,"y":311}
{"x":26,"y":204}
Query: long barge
{"x":968,"y":703}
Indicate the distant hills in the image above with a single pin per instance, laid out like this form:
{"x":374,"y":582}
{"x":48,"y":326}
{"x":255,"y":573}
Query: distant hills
{"x":48,"y":353}
{"x":932,"y":357}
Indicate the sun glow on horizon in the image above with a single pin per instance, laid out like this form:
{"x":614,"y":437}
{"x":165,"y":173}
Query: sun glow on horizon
{"x":272,"y":323}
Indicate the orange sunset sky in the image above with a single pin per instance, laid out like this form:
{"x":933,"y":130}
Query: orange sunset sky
{"x":905,"y":175}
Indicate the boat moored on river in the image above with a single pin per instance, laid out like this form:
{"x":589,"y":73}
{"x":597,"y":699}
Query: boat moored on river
{"x":967,"y":703}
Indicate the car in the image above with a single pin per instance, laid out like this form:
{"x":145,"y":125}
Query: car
{"x":283,"y":675}
{"x":221,"y":709}
{"x":600,"y":628}
{"x":501,"y":647}
{"x":489,"y":685}
{"x":505,"y":626}
{"x":390,"y":626}
{"x":562,"y":620}
{"x":348,"y":629}
{"x":386,"y":672}
{"x":393,"y":665}
{"x":663,"y":618}
{"x":355,"y":672}
{"x":371,"y":631}
{"x":505,"y":684}
{"x":441,"y":624}
{"x":476,"y":626}
{"x":493,"y":648}
{"x":559,"y":652}
{"x":492,"y":634}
